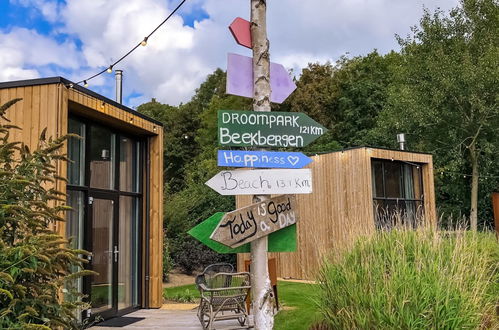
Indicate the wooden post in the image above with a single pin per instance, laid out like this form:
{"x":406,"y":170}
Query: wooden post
{"x":495,"y":206}
{"x":261,"y":291}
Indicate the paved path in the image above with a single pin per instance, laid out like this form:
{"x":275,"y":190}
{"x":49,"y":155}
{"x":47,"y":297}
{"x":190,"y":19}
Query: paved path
{"x":169,"y":320}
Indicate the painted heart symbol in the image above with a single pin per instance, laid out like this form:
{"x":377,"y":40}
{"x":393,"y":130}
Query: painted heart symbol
{"x":293,"y":160}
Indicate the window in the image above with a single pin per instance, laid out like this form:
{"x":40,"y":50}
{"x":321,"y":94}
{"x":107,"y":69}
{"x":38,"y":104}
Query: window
{"x":102,"y":150}
{"x":128,"y":267}
{"x":76,"y":153}
{"x":397,"y":192}
{"x":74,"y":232}
{"x":129,"y":165}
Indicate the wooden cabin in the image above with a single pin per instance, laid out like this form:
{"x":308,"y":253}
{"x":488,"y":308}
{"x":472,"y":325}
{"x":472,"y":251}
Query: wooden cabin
{"x":115,"y":187}
{"x":355,"y":192}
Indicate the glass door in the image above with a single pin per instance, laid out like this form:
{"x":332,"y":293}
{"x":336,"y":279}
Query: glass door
{"x":102,"y":242}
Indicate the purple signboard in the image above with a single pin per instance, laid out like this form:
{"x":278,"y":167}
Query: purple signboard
{"x":240,"y":78}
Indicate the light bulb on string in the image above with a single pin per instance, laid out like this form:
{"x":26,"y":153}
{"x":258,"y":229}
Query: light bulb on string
{"x":144,"y":42}
{"x":110,"y":69}
{"x":85,"y":84}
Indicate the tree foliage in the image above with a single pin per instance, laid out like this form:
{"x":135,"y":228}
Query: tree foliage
{"x":35,"y":262}
{"x":445,"y":94}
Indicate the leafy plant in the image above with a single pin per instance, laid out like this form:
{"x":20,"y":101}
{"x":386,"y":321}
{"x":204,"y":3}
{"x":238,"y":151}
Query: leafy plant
{"x":35,"y":262}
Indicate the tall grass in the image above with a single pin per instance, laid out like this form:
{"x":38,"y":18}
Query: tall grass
{"x":413,"y":279}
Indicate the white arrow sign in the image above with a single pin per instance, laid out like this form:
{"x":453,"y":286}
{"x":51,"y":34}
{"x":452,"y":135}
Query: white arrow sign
{"x":261,"y":182}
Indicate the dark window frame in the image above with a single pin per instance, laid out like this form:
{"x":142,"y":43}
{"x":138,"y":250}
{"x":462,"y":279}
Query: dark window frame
{"x":115,"y":193}
{"x":398,"y":200}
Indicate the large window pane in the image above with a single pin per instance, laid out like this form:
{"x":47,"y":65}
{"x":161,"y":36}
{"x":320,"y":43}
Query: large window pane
{"x":102,"y":150}
{"x":128,"y":271}
{"x":393,"y":180}
{"x":103,"y":251}
{"x":76,"y":153}
{"x":74,"y":232}
{"x":377,"y":179}
{"x":129,"y":165}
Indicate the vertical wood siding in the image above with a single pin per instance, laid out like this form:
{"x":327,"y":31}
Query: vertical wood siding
{"x":340,"y":209}
{"x":41,"y":107}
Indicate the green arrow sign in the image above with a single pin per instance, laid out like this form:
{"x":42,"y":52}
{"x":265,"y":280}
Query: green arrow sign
{"x":266,"y":129}
{"x":283,"y":240}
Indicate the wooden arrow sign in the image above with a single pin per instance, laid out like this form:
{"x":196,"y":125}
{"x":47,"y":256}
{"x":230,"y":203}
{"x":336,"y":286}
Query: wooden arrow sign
{"x":257,"y":220}
{"x":240,"y":78}
{"x":261,"y":182}
{"x":267,"y":129}
{"x":257,"y":159}
{"x":241,"y":31}
{"x":280,"y":241}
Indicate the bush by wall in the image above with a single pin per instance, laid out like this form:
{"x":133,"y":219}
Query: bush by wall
{"x":35,"y":262}
{"x":405,"y":279}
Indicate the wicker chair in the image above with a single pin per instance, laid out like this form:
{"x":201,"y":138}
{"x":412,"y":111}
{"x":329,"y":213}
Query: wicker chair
{"x":223,"y":295}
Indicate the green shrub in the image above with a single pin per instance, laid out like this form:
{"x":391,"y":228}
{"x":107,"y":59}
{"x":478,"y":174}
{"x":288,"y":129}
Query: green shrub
{"x":405,"y":279}
{"x":35,"y":262}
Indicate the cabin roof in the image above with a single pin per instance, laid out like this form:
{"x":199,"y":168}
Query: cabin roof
{"x":367,"y":147}
{"x":61,"y":80}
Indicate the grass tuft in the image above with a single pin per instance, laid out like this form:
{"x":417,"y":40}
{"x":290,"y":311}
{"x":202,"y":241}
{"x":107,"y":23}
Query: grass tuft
{"x":413,"y":279}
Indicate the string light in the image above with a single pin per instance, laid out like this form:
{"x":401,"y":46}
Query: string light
{"x":143,"y":42}
{"x":85,"y":84}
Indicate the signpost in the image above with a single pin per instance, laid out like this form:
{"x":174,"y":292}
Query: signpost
{"x":276,"y":217}
{"x":267,"y":129}
{"x":268,"y":159}
{"x":253,"y":182}
{"x":257,"y":220}
{"x":240,"y":78}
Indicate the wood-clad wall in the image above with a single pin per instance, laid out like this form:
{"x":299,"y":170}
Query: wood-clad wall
{"x":49,"y":106}
{"x":42,"y":106}
{"x":339,"y":210}
{"x":156,"y":221}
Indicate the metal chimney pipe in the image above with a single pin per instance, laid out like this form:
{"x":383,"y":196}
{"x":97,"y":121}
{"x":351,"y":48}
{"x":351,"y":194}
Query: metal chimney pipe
{"x":401,"y":140}
{"x":119,"y":85}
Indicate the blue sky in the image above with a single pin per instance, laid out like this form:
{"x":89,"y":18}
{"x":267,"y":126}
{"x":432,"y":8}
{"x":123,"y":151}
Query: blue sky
{"x":77,"y":38}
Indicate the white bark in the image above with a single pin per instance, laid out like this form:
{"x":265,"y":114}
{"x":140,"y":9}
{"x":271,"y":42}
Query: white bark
{"x":261,"y":290}
{"x":474,"y":187}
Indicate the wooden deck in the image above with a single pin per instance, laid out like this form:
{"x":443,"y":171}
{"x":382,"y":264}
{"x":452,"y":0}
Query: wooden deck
{"x":168,"y":320}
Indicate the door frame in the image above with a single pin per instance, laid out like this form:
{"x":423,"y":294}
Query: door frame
{"x":114,"y":193}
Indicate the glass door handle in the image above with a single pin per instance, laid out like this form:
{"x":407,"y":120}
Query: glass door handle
{"x":116,"y":251}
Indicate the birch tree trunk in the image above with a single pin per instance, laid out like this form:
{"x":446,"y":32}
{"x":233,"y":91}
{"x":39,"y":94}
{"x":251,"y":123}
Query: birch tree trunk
{"x":474,"y":187}
{"x":261,"y":290}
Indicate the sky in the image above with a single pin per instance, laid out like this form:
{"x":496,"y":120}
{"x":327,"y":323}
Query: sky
{"x":77,"y":38}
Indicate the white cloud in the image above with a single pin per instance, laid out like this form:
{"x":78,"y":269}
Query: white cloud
{"x":178,"y":57}
{"x":25,"y":54}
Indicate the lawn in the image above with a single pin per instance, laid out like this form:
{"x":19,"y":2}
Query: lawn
{"x":295,"y":299}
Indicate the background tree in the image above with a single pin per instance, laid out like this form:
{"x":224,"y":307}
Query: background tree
{"x":446,"y":92}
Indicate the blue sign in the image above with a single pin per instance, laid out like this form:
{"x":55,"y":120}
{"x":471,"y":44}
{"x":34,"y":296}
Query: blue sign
{"x":266,"y":159}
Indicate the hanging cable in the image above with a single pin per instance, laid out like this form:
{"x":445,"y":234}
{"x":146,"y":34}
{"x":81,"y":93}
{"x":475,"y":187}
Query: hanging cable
{"x":141,"y":43}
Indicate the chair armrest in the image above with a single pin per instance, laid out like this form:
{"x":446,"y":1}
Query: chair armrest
{"x":226,"y":288}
